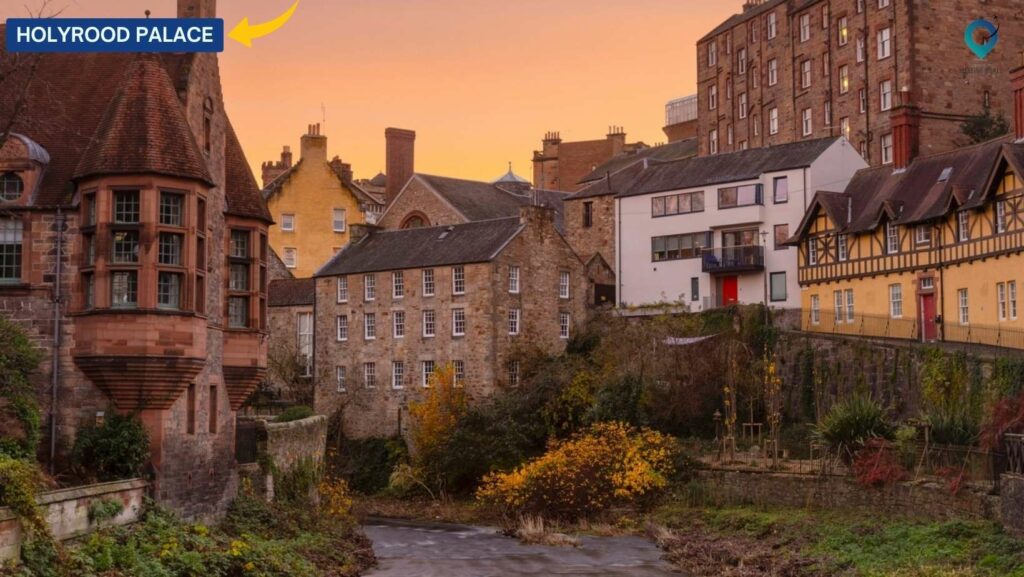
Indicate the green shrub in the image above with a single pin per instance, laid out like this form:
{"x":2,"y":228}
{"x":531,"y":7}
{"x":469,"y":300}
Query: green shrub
{"x":117,"y":449}
{"x":296,"y":413}
{"x":19,"y":483}
{"x":20,"y":419}
{"x":953,"y":428}
{"x":299,"y":483}
{"x":850,"y":424}
{"x":367,"y":463}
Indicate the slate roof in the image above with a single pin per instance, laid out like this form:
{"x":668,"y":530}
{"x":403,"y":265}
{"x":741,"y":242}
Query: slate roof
{"x":291,"y":292}
{"x":240,"y":189}
{"x":467,"y":243}
{"x":73,"y":110}
{"x":671,"y":151}
{"x":475,"y":200}
{"x":725,"y":168}
{"x":144,"y":130}
{"x":928,"y":189}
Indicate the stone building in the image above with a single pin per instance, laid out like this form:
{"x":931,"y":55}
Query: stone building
{"x":394,"y":305}
{"x":133,"y":248}
{"x":789,"y":70}
{"x":930,"y":251}
{"x":562,"y":165}
{"x":590,"y":213}
{"x":429,"y":200}
{"x":290,"y":355}
{"x":313,"y":202}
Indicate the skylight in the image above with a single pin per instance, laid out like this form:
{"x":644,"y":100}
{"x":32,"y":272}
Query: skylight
{"x":946,"y":173}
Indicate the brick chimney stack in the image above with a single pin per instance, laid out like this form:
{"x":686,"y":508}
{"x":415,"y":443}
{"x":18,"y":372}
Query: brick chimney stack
{"x":197,"y":8}
{"x":906,"y":132}
{"x":617,"y":137}
{"x":342,"y":169}
{"x":313,"y":146}
{"x":272,"y":169}
{"x":400,"y":161}
{"x":1017,"y":83}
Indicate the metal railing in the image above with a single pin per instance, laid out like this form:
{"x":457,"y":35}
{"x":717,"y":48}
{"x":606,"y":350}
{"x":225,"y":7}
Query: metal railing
{"x":733,"y":259}
{"x":1015,"y":454}
{"x":881,"y":326}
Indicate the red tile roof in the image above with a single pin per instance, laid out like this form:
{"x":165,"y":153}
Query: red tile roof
{"x":144,"y":130}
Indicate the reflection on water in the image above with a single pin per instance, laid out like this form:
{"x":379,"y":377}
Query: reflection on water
{"x":436,"y":550}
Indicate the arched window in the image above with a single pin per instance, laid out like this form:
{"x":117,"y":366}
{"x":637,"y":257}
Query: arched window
{"x":414,"y":221}
{"x":11,"y":186}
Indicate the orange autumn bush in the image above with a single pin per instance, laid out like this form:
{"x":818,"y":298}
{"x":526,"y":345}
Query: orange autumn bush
{"x":608,"y":464}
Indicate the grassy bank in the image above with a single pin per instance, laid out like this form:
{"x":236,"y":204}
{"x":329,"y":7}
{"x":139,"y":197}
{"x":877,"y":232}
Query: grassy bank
{"x":753,"y":542}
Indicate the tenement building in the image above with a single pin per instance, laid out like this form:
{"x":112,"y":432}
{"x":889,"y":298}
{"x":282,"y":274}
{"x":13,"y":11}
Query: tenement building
{"x":711,"y":231}
{"x":133,"y":248}
{"x":933,"y":250}
{"x":395,"y":305}
{"x":789,"y":70}
{"x":313,"y":202}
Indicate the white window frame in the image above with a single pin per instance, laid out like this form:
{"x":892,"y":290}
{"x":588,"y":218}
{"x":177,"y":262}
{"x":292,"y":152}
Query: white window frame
{"x":808,"y":121}
{"x":843,"y":247}
{"x":861,"y":50}
{"x":398,"y":285}
{"x":773,"y":28}
{"x":850,"y":313}
{"x":712,"y":53}
{"x":862,"y":95}
{"x":429,"y":318}
{"x":397,"y":375}
{"x":743,"y":105}
{"x":806,"y":73}
{"x":429,"y":284}
{"x":342,"y":289}
{"x":339,"y":379}
{"x":370,"y":375}
{"x":288,"y":222}
{"x":513,"y":279}
{"x":304,"y":334}
{"x":1000,"y":216}
{"x":713,"y":97}
{"x":369,"y":326}
{"x":773,"y":72}
{"x":563,"y":325}
{"x":514,"y":321}
{"x":963,"y":226}
{"x":923,"y":234}
{"x":563,"y":284}
{"x":369,"y":287}
{"x":896,"y":301}
{"x":963,"y":307}
{"x":844,"y":79}
{"x":458,"y":280}
{"x":1012,"y":289}
{"x":713,"y":141}
{"x":815,"y":310}
{"x":884,"y":40}
{"x":290,"y":257}
{"x":513,"y":373}
{"x":773,"y":121}
{"x":335,"y":221}
{"x":885,"y":95}
{"x":426,"y":370}
{"x":398,"y":324}
{"x":805,"y":27}
{"x":839,"y":309}
{"x":886,"y":142}
{"x":812,"y":252}
{"x":459,"y":370}
{"x":1001,"y":301}
{"x":341,"y":328}
{"x":892,"y":238}
{"x":741,"y":59}
{"x":458,"y":318}
{"x":843,"y":30}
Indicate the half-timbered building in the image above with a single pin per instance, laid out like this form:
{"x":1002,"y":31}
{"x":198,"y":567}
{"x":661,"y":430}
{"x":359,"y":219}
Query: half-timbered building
{"x":933,"y":250}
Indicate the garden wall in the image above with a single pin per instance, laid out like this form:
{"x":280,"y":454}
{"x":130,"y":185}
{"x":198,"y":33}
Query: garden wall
{"x":281,"y":447}
{"x":927,"y":500}
{"x":1012,"y":491}
{"x":67,"y":512}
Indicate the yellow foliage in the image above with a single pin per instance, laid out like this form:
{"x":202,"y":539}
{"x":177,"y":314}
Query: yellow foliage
{"x":335,"y":498}
{"x":608,"y":464}
{"x":434,"y":418}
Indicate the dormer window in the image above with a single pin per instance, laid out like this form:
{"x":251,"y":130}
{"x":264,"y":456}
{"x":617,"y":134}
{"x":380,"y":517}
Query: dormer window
{"x":11,"y":187}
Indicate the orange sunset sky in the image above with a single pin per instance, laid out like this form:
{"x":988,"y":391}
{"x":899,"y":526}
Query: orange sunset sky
{"x":480,"y":81}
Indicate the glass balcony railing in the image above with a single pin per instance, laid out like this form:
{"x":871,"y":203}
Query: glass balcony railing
{"x":733,"y":259}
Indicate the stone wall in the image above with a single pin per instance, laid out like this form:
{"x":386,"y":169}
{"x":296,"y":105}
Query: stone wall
{"x":287,"y":444}
{"x":931,"y":501}
{"x":67,"y":512}
{"x":1012,"y":503}
{"x":417,"y":199}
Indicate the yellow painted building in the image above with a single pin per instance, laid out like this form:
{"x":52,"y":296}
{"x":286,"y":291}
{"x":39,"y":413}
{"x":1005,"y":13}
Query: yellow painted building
{"x":932,"y":252}
{"x":314,"y":203}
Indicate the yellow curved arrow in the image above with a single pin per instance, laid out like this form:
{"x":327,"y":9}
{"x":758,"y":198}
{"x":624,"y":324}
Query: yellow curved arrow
{"x":245,"y":33}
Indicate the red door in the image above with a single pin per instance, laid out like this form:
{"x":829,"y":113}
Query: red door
{"x":730,"y":290}
{"x":929,"y":332}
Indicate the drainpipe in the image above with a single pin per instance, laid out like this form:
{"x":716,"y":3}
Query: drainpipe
{"x":55,"y":355}
{"x":618,"y":251}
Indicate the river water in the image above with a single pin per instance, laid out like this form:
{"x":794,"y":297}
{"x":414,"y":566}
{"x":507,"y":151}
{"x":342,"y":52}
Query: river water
{"x":406,"y":549}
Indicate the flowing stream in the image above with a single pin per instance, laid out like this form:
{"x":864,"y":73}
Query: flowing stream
{"x":407,"y":549}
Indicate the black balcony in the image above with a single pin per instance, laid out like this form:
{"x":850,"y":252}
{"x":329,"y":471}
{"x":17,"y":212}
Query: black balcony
{"x":733,"y":259}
